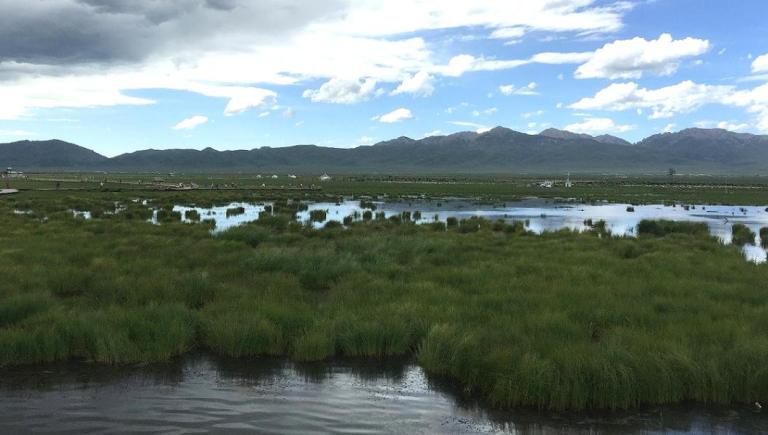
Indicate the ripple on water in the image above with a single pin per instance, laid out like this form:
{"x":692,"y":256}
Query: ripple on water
{"x":200,"y":394}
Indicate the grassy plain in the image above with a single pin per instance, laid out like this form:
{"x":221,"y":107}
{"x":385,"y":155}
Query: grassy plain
{"x":629,"y":189}
{"x":562,"y":320}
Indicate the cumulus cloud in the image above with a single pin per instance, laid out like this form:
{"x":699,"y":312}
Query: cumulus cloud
{"x":110,"y":48}
{"x":529,"y":89}
{"x":191,"y":122}
{"x":760,"y":64}
{"x":664,"y":102}
{"x":342,"y":91}
{"x":396,"y":115}
{"x":421,"y":83}
{"x":631,"y":58}
{"x":598,"y":125}
{"x":249,"y":98}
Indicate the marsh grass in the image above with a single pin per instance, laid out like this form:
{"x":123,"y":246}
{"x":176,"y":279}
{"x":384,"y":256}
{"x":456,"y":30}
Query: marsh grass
{"x":742,"y":235}
{"x":235,"y":211}
{"x":556,"y":321}
{"x":665,"y":227}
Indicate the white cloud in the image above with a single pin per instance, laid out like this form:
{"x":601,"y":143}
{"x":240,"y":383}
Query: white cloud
{"x":631,"y":58}
{"x":760,"y":64}
{"x":342,"y":91}
{"x":669,"y":128}
{"x":264,"y":114}
{"x":725,"y":125}
{"x":508,"y":33}
{"x":432,"y":133}
{"x":421,"y":83}
{"x":367,"y":140}
{"x":755,"y":101}
{"x":396,"y":115}
{"x":191,"y":122}
{"x":664,"y":102}
{"x":532,"y":114}
{"x":598,"y":125}
{"x":479,"y":128}
{"x":270,"y":42}
{"x":17,"y":133}
{"x":490,"y":110}
{"x":289,"y":113}
{"x":529,"y":89}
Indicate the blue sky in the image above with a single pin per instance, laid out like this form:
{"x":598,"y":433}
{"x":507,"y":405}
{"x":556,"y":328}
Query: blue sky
{"x":230,"y":74}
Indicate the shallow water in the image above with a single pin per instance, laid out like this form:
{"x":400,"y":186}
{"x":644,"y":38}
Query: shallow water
{"x":201,"y":395}
{"x":540,"y":215}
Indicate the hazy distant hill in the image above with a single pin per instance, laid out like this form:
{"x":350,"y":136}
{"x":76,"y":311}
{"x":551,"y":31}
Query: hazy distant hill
{"x":498,"y":150}
{"x":49,"y":154}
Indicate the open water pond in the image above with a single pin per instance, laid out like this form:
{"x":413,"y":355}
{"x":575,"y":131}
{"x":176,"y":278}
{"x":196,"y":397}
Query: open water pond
{"x":538,"y":214}
{"x":200,"y":394}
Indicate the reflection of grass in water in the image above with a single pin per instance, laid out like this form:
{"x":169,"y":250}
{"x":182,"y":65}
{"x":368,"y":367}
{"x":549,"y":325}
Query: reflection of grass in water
{"x":562,"y":320}
{"x":764,"y":237}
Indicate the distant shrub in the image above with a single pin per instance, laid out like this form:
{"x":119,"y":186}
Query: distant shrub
{"x":367,"y":215}
{"x":406,"y":216}
{"x":452,"y":222}
{"x":348,"y":220}
{"x":417,"y":215}
{"x":742,"y":235}
{"x":663,"y":227}
{"x":630,"y":209}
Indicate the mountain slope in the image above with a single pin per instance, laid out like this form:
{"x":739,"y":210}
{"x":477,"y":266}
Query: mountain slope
{"x":49,"y":154}
{"x":498,"y":150}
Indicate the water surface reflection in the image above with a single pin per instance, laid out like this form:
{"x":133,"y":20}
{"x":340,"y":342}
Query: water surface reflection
{"x":200,"y":394}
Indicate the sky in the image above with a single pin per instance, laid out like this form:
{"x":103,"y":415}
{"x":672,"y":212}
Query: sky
{"x":118,"y":77}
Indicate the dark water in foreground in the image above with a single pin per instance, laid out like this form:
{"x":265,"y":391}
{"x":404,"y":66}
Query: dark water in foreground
{"x":203,"y":395}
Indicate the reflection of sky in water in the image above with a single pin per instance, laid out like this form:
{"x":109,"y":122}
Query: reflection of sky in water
{"x":219,"y":214}
{"x":541,"y":215}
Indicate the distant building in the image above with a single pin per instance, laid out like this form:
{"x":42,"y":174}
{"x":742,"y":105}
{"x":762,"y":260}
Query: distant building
{"x":325,"y":177}
{"x":568,"y":182}
{"x":291,"y":176}
{"x":274,"y":176}
{"x":10,"y":173}
{"x":547,"y":184}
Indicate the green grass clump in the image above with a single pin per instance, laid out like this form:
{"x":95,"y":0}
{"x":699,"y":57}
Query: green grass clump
{"x":318,"y":215}
{"x":235,"y":211}
{"x":742,"y":235}
{"x":664,"y":227}
{"x":764,"y":237}
{"x":165,"y":215}
{"x":192,"y":215}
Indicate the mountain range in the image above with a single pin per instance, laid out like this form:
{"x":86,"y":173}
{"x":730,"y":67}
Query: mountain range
{"x":499,"y":150}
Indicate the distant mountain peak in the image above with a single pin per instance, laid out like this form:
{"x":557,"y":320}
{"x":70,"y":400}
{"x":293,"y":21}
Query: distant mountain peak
{"x":566,"y":135}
